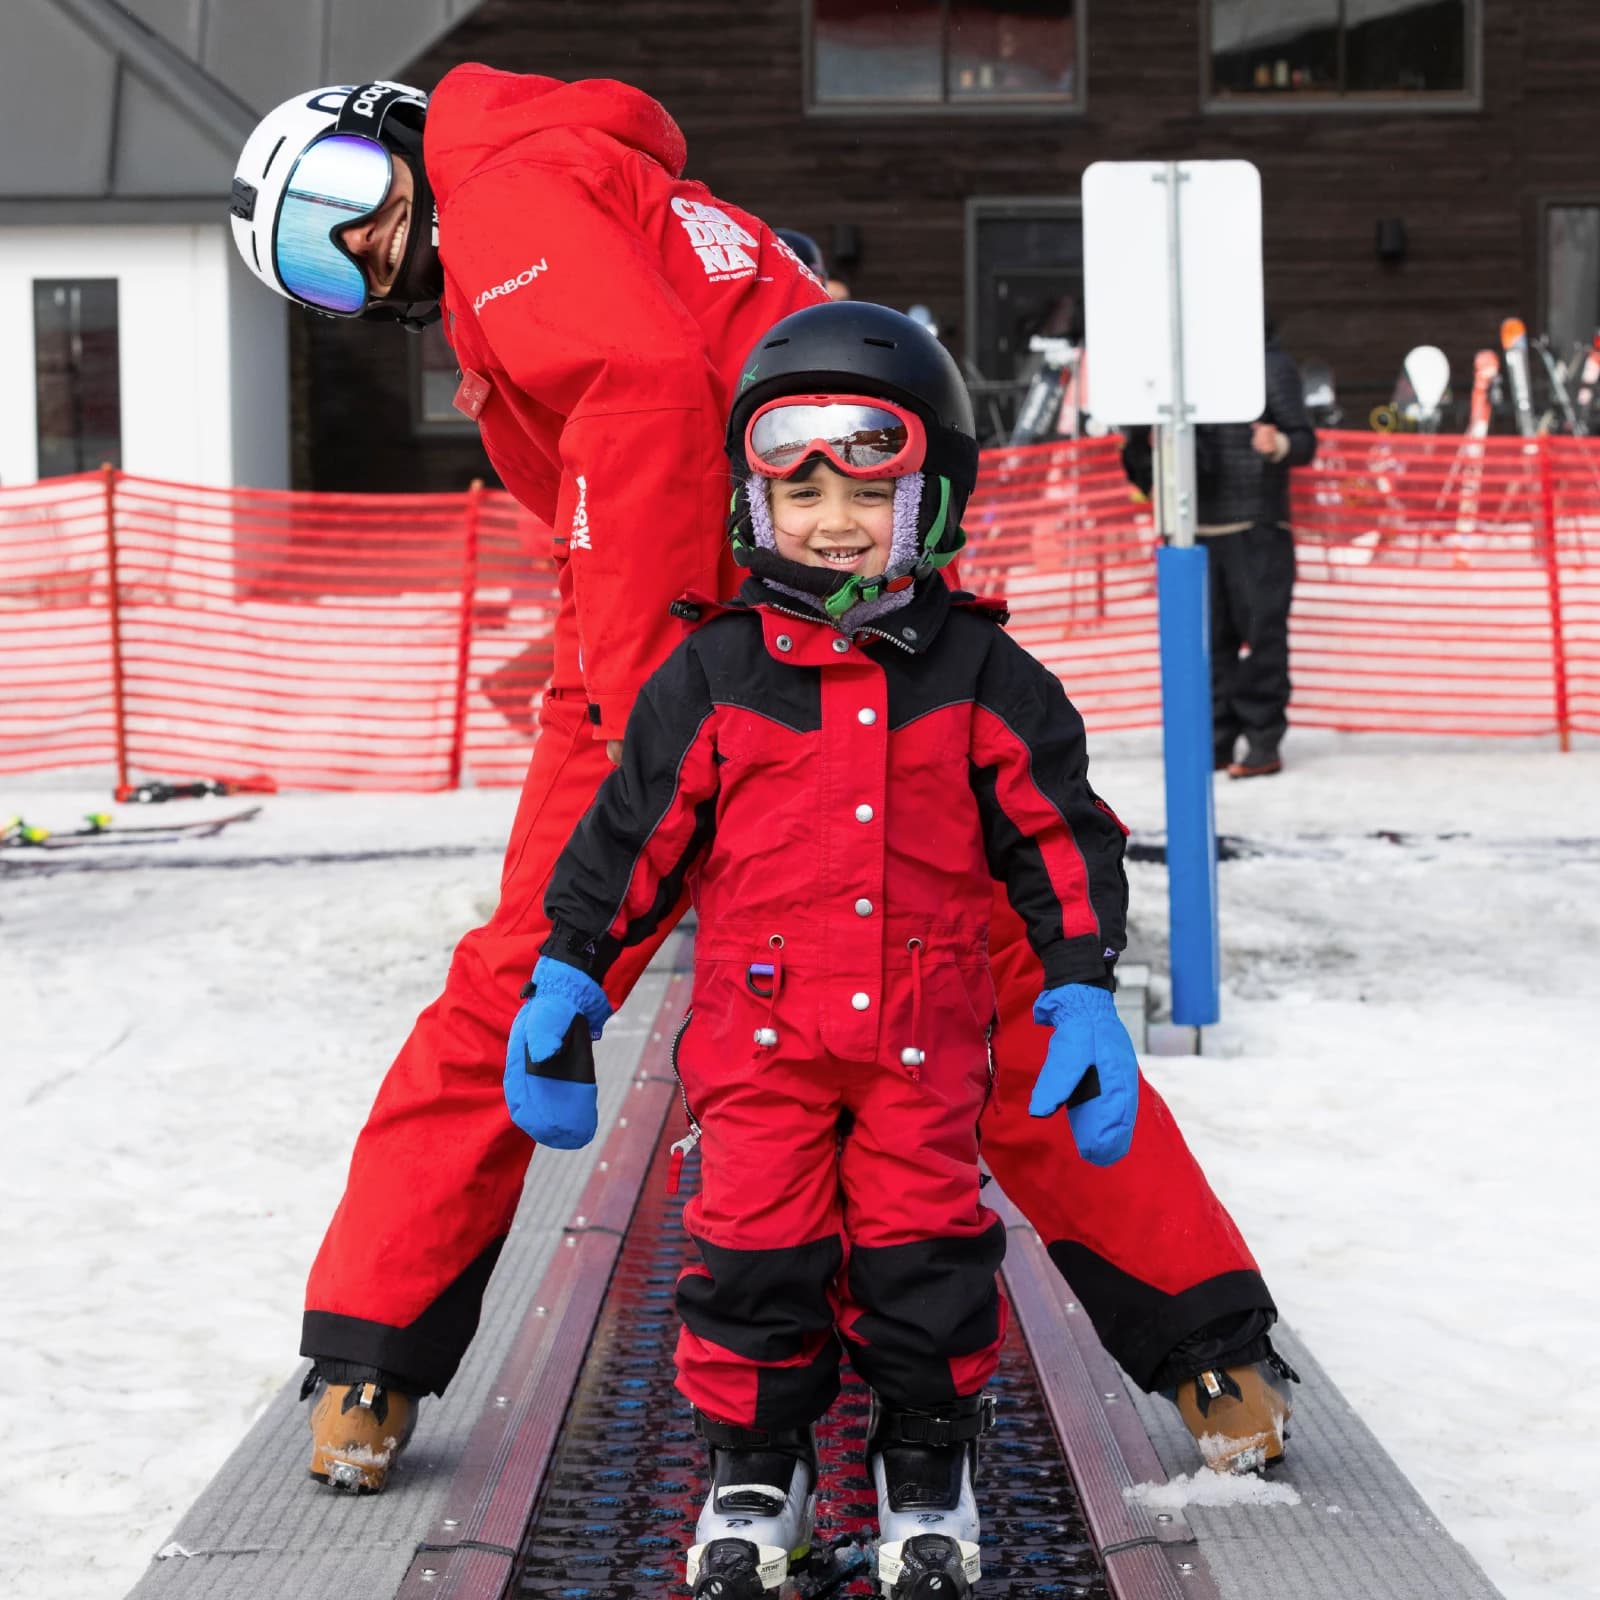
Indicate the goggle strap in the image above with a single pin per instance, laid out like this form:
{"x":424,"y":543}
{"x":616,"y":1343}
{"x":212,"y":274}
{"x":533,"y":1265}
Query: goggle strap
{"x":936,"y":532}
{"x":374,"y":108}
{"x":739,"y":533}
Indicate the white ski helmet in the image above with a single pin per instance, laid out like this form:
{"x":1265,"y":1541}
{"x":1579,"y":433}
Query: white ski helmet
{"x":315,"y":165}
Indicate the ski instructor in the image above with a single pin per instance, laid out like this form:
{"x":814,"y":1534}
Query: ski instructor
{"x":600,"y":306}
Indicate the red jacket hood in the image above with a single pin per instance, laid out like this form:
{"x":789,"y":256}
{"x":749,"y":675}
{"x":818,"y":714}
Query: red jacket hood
{"x":477,"y":112}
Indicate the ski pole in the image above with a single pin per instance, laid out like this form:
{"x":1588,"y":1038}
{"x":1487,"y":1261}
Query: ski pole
{"x":158,"y":790}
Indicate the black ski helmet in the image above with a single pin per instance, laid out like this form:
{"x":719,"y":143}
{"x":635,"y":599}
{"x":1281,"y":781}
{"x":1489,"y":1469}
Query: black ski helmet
{"x":806,"y":248}
{"x":856,"y":347}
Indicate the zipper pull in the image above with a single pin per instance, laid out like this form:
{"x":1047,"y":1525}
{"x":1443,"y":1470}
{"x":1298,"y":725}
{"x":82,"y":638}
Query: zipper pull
{"x":680,"y":1149}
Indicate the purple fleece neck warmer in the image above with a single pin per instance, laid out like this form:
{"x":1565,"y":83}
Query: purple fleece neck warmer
{"x":903,"y":549}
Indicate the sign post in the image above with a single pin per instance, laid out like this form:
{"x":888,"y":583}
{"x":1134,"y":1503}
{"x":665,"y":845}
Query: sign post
{"x":1175,"y":317}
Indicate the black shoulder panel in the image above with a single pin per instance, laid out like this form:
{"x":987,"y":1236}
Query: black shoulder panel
{"x":740,"y":672}
{"x":946,"y":675}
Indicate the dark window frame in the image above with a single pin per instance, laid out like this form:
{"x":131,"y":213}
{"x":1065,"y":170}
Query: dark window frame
{"x":1586,"y":200}
{"x":1036,"y":107}
{"x":1420,"y":102}
{"x":974,"y":211}
{"x":100,"y":457}
{"x":454,"y":426}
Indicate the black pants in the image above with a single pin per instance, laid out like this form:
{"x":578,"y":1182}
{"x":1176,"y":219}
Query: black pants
{"x":1252,"y":581}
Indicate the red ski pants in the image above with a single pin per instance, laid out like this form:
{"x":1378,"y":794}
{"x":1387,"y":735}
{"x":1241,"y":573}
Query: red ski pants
{"x":437,"y":1170}
{"x":838,"y":1199}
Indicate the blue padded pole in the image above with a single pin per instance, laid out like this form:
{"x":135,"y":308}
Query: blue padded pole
{"x":1195,"y":944}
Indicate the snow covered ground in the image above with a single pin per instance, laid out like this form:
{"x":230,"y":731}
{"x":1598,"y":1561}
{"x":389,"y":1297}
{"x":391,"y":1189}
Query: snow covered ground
{"x":1400,"y":1106}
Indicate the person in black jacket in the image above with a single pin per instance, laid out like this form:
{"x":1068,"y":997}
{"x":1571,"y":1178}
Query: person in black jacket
{"x":1242,"y":478}
{"x":838,"y":764}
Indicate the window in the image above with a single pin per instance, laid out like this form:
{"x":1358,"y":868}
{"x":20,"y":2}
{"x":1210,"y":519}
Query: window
{"x":1024,"y":277}
{"x":77,"y":379}
{"x":1571,"y":276}
{"x":435,"y":378}
{"x":1321,"y":50}
{"x":917,"y":54}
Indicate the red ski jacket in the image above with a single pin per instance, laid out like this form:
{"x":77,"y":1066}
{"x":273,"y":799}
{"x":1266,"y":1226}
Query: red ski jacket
{"x":848,"y":802}
{"x":605,"y":305}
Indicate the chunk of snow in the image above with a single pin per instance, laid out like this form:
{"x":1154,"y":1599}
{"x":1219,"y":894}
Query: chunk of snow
{"x":1207,"y":1488}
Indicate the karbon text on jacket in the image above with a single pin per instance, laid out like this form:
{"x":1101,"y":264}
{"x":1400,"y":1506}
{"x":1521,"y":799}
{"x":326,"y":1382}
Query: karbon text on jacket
{"x":607,"y":304}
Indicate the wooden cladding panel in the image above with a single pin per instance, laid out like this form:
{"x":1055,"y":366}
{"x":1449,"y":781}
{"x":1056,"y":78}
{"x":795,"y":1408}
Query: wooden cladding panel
{"x":1466,"y":182}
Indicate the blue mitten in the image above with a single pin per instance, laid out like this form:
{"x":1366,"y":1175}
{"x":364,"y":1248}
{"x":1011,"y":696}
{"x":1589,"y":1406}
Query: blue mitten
{"x":549,"y":1081}
{"x":1090,"y":1068}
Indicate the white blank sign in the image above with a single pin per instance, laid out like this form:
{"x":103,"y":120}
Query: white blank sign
{"x":1125,"y":270}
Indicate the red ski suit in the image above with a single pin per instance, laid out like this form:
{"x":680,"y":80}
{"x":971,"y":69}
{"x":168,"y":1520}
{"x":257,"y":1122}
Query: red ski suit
{"x":840,"y":808}
{"x":606,"y":305}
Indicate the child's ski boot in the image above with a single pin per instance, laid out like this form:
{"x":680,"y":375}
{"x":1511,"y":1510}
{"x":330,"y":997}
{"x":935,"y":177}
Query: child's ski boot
{"x":1239,"y":1415}
{"x":923,"y":1464}
{"x":759,"y":1515}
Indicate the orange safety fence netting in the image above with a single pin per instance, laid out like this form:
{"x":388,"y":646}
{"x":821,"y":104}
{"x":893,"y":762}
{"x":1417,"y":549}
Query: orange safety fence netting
{"x":1446,"y":585}
{"x":1057,"y":533}
{"x":329,"y":641}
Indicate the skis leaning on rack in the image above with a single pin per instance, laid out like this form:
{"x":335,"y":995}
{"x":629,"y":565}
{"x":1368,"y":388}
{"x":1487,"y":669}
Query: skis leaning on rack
{"x":98,"y":828}
{"x":1514,"y":345}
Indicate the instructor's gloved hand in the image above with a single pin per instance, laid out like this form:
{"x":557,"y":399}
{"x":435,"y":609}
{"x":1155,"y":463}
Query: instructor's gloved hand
{"x":1090,"y":1068}
{"x":549,"y":1080}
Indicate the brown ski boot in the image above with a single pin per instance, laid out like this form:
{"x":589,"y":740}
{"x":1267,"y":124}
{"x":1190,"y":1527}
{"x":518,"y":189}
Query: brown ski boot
{"x":1239,"y":1416}
{"x":1256,"y":762}
{"x":357,"y":1433}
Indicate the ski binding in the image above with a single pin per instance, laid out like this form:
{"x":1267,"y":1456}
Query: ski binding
{"x":931,"y":1566}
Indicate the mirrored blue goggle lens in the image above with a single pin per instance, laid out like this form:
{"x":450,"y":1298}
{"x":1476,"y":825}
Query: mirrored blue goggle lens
{"x":336,"y":181}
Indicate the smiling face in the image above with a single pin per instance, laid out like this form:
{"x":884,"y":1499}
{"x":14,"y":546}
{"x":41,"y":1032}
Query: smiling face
{"x":378,"y":243}
{"x":821,"y":518}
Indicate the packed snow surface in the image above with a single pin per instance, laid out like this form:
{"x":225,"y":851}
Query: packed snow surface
{"x":1400,"y":1106}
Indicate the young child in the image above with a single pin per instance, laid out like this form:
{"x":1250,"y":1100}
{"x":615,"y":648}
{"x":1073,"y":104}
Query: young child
{"x":834,"y":764}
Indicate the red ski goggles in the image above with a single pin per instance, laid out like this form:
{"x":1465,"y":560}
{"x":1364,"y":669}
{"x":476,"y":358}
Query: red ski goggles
{"x":859,"y":437}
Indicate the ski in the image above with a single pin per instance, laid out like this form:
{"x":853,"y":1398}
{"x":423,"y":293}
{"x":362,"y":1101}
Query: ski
{"x":1557,"y":377}
{"x":155,"y":791}
{"x":99,"y":828}
{"x":1588,"y":383}
{"x":1514,"y":342}
{"x":1469,"y":458}
{"x":1040,"y":412}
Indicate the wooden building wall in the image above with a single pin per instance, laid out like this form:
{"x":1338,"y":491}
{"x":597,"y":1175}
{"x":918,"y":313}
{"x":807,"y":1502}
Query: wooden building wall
{"x":1467,"y":183}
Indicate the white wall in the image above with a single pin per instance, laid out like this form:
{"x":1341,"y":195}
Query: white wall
{"x":258,"y":377}
{"x":204,"y":370}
